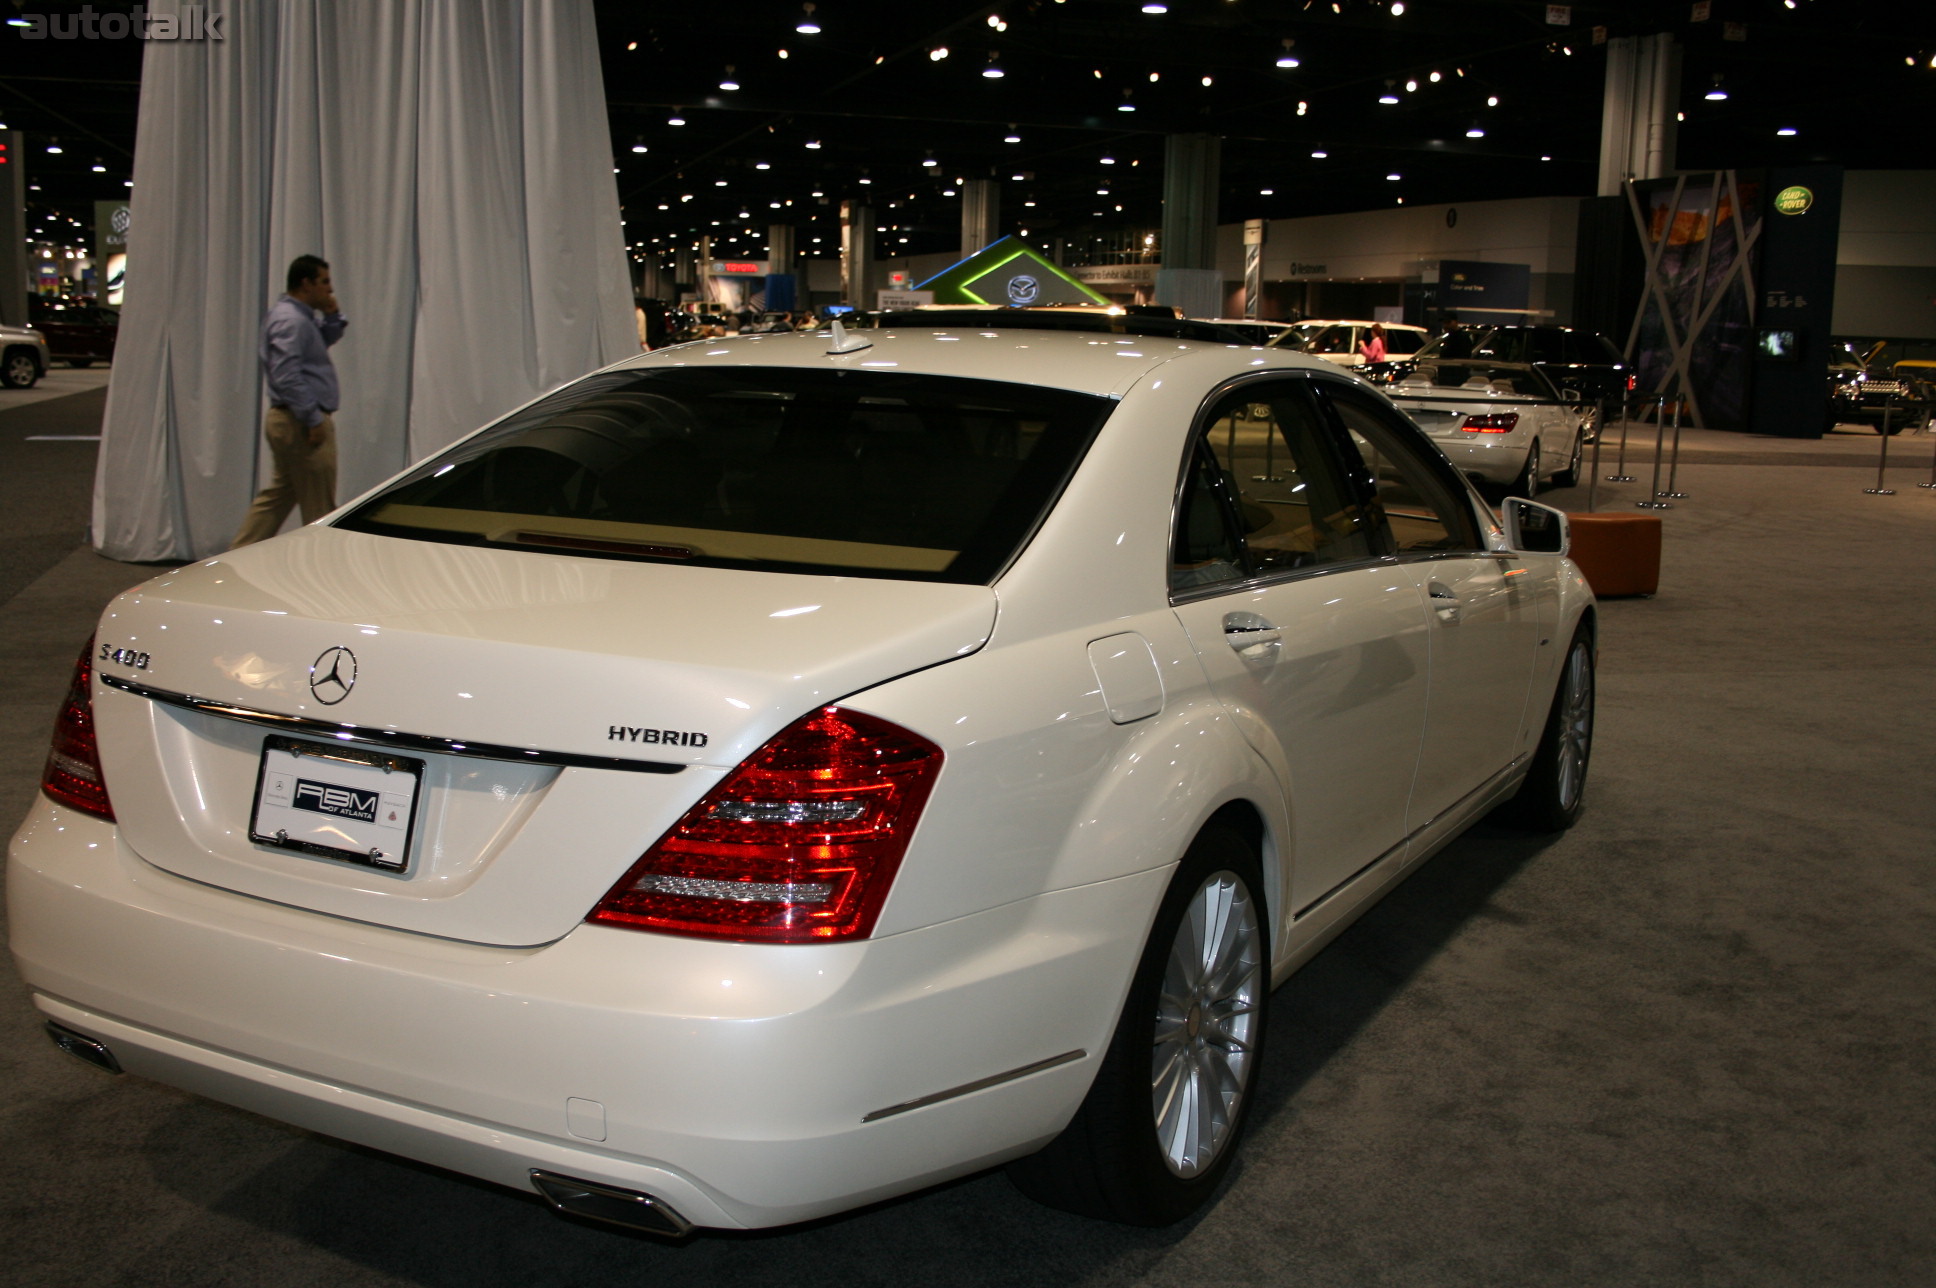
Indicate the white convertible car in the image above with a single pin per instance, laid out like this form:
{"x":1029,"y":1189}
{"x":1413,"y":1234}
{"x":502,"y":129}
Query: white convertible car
{"x":771,"y":775}
{"x":1503,"y":423}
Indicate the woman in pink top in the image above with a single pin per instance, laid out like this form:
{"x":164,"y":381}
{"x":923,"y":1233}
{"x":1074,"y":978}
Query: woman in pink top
{"x":1374,"y":346}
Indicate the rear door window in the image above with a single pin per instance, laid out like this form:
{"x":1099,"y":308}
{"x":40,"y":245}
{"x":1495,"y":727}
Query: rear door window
{"x":1267,"y":492}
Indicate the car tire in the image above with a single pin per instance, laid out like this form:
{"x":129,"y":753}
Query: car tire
{"x":1554,"y":791}
{"x":1162,"y":1121}
{"x":1527,"y":484}
{"x":1571,"y":474}
{"x":18,"y":370}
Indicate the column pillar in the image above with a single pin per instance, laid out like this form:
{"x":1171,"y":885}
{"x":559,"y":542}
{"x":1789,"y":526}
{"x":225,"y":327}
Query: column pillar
{"x":1188,"y":278}
{"x":1637,"y":127}
{"x":685,"y":273}
{"x":782,"y":286}
{"x":981,"y":214}
{"x":857,"y":254}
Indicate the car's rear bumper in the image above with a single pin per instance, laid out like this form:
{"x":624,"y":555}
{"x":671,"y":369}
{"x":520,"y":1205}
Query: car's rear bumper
{"x":740,"y":1084}
{"x":1494,"y":458}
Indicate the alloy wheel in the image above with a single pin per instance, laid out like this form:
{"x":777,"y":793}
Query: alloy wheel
{"x":1206,"y":1022}
{"x":1576,"y":725}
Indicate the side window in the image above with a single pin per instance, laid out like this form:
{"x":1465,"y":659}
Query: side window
{"x":1422,"y":506}
{"x":1267,"y":457}
{"x":1206,"y":549}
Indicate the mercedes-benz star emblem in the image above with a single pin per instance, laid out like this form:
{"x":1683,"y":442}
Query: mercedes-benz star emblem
{"x":333,"y":675}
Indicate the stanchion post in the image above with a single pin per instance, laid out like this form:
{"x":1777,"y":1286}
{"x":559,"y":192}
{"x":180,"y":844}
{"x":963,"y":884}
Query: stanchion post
{"x":1674,"y":459}
{"x":1882,"y":465}
{"x":1660,"y":442}
{"x":1928,"y":424}
{"x":1620,"y":474}
{"x":1600,"y":432}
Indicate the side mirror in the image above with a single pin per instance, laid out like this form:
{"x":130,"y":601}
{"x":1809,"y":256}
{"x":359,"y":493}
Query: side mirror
{"x":1570,"y":395}
{"x":1532,"y":528}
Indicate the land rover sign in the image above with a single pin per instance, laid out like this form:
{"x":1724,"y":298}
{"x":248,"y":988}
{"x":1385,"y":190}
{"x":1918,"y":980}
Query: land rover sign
{"x":1794,"y":200}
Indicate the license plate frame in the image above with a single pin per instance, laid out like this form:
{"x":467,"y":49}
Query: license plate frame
{"x":359,"y":804}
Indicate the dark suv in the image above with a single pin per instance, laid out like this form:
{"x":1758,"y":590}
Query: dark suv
{"x":1583,"y":361}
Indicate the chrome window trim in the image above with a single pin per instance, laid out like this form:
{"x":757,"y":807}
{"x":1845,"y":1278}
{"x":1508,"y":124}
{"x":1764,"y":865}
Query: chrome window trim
{"x":1194,"y":594}
{"x":343,"y":731}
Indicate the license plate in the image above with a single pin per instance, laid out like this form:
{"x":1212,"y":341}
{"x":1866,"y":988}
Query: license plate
{"x":354,"y":804}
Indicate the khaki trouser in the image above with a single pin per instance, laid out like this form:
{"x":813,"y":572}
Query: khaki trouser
{"x":305,"y":476}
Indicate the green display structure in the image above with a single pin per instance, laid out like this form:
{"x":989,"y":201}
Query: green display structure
{"x":1010,"y":273}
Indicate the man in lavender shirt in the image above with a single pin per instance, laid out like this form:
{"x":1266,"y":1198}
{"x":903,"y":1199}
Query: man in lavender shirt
{"x":302,"y":393}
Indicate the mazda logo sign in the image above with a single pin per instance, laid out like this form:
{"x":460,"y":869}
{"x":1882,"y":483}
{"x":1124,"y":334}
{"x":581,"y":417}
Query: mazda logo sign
{"x":333,"y":675}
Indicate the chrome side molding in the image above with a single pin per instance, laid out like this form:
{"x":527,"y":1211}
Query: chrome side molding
{"x":978,"y":1084}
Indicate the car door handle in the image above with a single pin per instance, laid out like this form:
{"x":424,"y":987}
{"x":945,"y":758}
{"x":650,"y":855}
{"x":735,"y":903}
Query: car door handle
{"x":1444,"y":602}
{"x":1247,"y":631}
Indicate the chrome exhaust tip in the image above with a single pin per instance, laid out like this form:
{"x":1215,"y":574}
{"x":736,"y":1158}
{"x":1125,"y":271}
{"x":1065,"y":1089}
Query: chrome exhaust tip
{"x":92,"y":1050}
{"x":607,"y":1203}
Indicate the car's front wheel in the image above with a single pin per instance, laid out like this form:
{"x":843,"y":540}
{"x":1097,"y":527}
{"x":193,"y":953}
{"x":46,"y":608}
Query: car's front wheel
{"x":1159,"y":1127}
{"x":1555,"y":788}
{"x":18,"y":370}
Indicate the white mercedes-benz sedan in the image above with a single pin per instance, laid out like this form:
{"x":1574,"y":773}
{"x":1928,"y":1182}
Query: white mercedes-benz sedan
{"x":771,"y":775}
{"x":1503,"y":423}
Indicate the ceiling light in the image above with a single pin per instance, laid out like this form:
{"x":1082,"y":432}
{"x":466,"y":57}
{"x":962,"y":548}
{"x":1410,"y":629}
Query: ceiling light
{"x":1155,"y":6}
{"x":53,"y":149}
{"x":1125,"y":107}
{"x":1266,"y":192}
{"x":993,"y":71}
{"x":1786,"y":132}
{"x":1154,"y":76}
{"x":1388,"y":98}
{"x":1492,"y":100}
{"x":638,"y":147}
{"x":761,"y":165}
{"x":1303,"y":107}
{"x":631,"y":45}
{"x":1398,"y":8}
{"x":1411,"y":87}
{"x":98,"y":168}
{"x":1109,"y":160}
{"x":1018,"y":177}
{"x":947,"y":192}
{"x":1475,"y":133}
{"x":729,"y":83}
{"x":783,"y":53}
{"x":1394,"y":177}
{"x":813,"y":143}
{"x":938,"y":53}
{"x":1434,"y":78}
{"x":1287,"y":61}
{"x":1717,"y":95}
{"x":719,"y":183}
{"x":865,"y":180}
{"x":807,"y":26}
{"x":1319,"y":156}
{"x":675,"y":119}
{"x":1011,"y":137}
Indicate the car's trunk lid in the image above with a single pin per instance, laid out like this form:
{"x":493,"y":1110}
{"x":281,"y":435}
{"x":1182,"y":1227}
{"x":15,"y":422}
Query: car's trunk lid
{"x":554,"y":663}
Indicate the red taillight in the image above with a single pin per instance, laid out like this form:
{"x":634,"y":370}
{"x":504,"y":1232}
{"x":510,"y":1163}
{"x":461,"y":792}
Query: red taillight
{"x":797,"y":845}
{"x":1631,"y":382}
{"x":1500,"y":422}
{"x":73,"y":774}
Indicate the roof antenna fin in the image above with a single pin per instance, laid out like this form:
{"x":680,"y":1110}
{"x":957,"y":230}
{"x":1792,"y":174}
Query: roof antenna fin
{"x":844,"y":343}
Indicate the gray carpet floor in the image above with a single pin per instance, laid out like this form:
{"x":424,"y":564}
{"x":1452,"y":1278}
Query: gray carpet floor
{"x":1689,"y":1042}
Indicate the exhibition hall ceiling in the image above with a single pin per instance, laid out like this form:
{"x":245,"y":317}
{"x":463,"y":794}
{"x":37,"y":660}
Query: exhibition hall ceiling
{"x":1323,"y":106}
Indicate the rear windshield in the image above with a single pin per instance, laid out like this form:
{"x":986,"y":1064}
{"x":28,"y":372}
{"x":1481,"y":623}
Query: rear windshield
{"x":862,"y":473}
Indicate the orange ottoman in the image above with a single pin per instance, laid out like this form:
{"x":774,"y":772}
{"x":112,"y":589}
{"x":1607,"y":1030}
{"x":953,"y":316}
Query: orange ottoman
{"x":1618,"y":553}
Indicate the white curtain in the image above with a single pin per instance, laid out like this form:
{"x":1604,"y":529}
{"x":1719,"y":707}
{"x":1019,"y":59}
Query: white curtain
{"x":452,"y":162}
